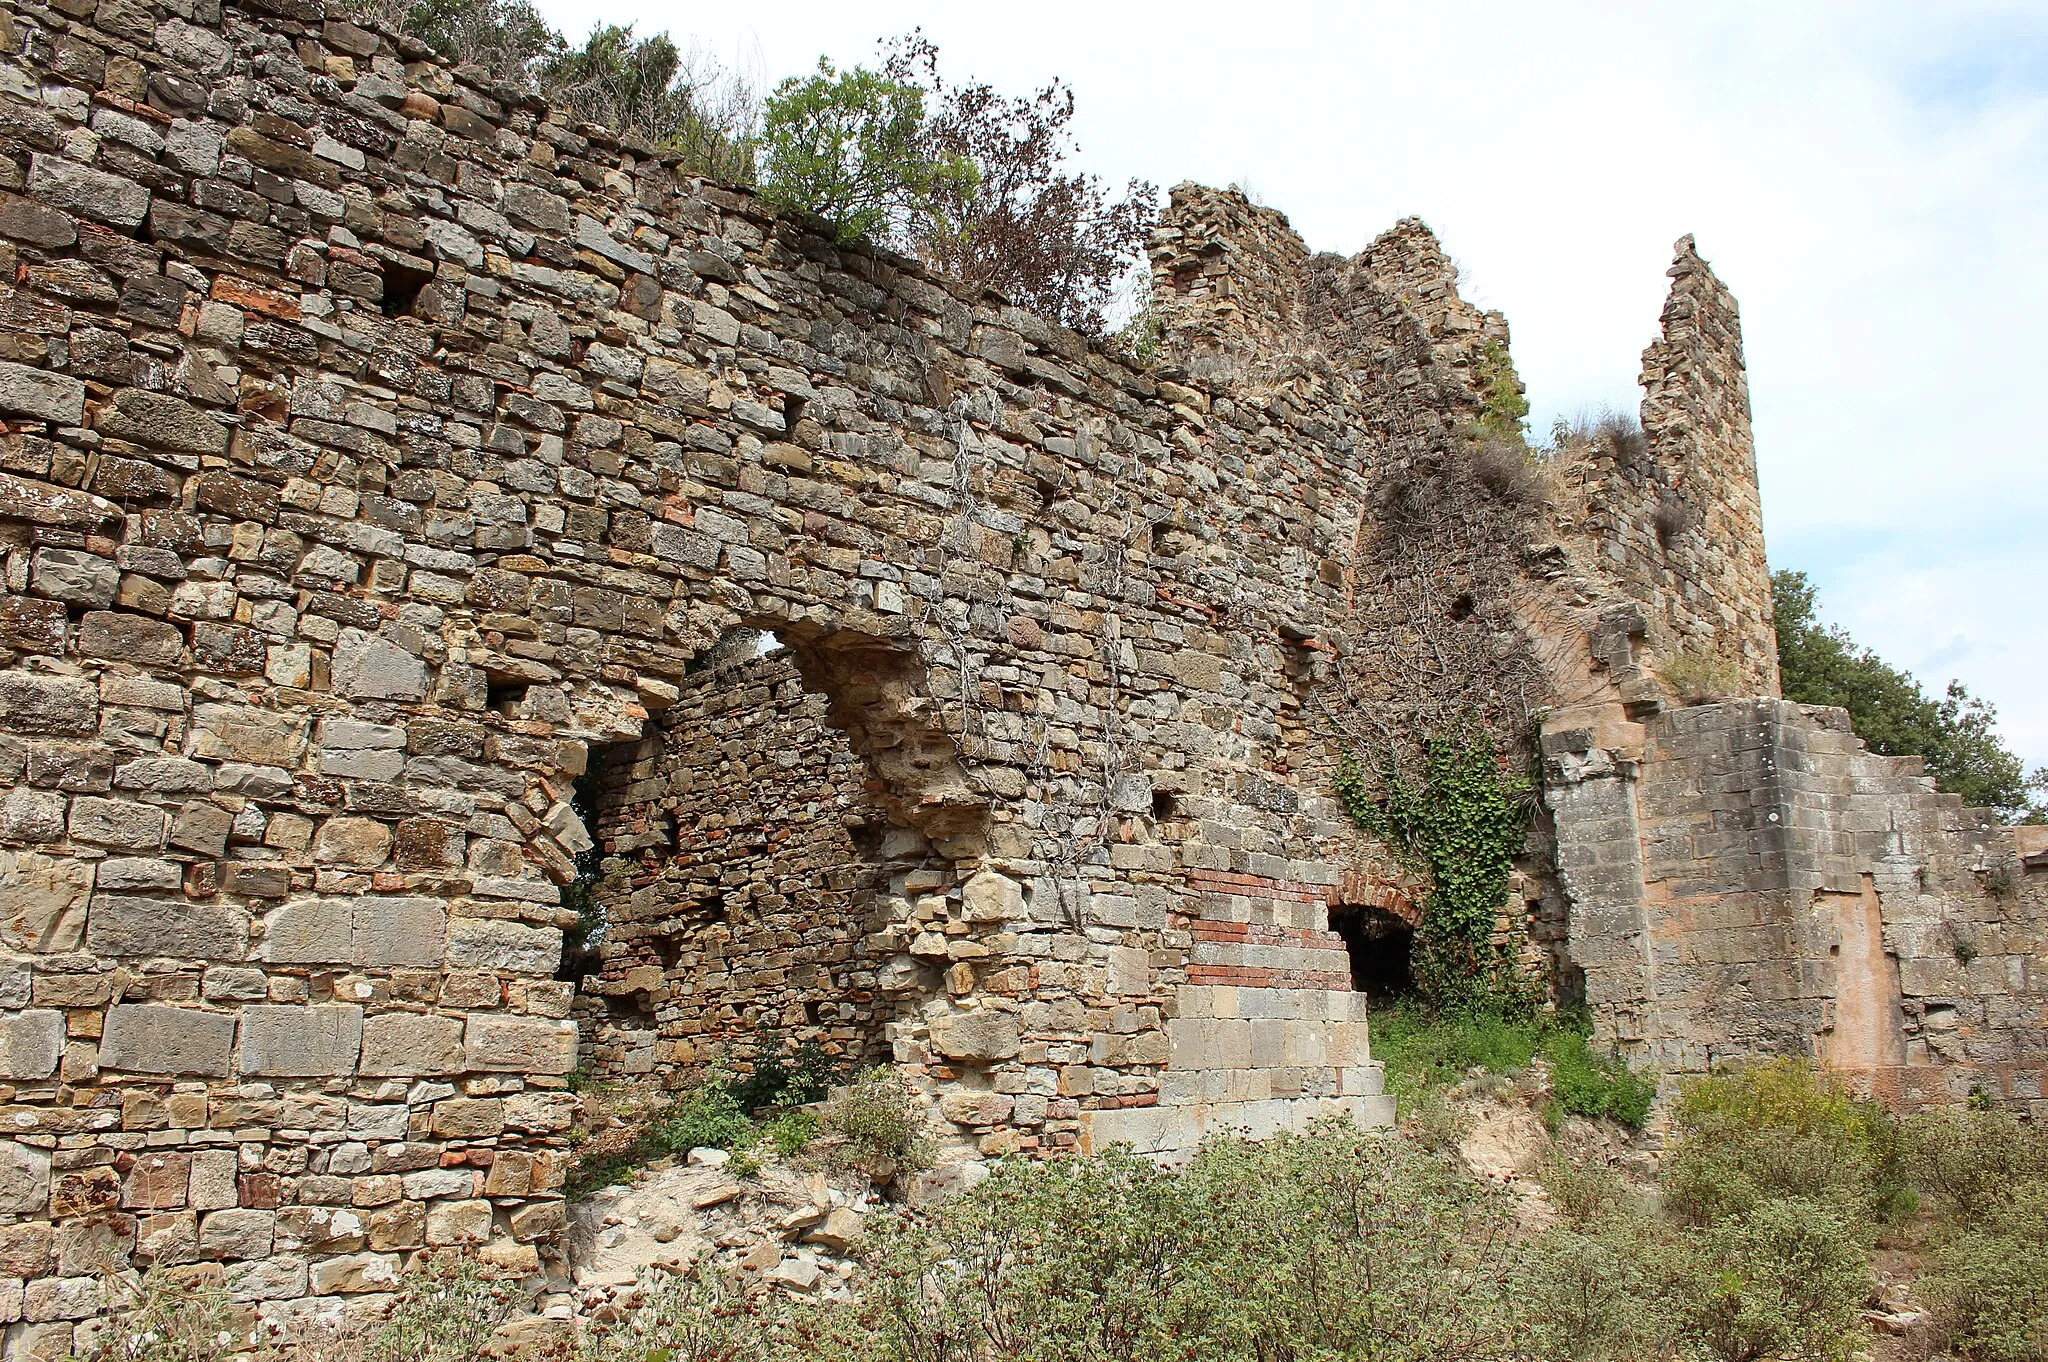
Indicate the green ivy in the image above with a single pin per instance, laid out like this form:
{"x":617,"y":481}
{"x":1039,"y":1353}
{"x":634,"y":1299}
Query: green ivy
{"x":1462,"y":821}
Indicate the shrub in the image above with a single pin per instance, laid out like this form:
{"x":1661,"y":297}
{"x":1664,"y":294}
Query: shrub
{"x":1585,"y":1084}
{"x":1601,"y":1289}
{"x":167,"y":1317}
{"x":707,"y":1116}
{"x":1781,"y":1129}
{"x":1989,"y":1283}
{"x":788,"y":1079}
{"x":1048,"y":238}
{"x":791,"y":1131}
{"x":882,"y":1123}
{"x":1972,"y":1160}
{"x":1506,"y":468}
{"x":697,"y":1317}
{"x":1784,"y":1279}
{"x":446,"y":1311}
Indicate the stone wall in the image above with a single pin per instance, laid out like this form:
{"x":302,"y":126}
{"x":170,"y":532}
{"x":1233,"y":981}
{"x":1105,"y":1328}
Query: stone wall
{"x":1747,"y":879}
{"x":379,"y":448}
{"x":1678,"y":520}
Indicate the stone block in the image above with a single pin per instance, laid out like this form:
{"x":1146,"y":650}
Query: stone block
{"x":458,"y":1223}
{"x":31,"y":1043}
{"x":117,"y":824}
{"x":42,"y":899}
{"x":320,"y":1041}
{"x":504,"y":947}
{"x":411,"y":1045}
{"x":75,"y":578}
{"x":468,"y":1118}
{"x":24,"y":1179}
{"x":240,"y":733}
{"x":400,"y":931}
{"x":976,"y":1037}
{"x":154,"y":1038}
{"x":236,"y":1233}
{"x":310,"y":932}
{"x":48,"y":705}
{"x":371,"y":667}
{"x":126,"y":925}
{"x":496,"y":1044}
{"x":41,"y":395}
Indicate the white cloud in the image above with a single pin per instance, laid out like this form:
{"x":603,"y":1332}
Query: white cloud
{"x":1870,"y":179}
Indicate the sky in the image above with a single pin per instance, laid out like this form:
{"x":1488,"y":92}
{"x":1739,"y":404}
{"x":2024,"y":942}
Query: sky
{"x":1870,"y":180}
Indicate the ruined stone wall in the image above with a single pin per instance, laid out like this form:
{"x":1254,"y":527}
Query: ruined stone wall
{"x":1678,"y":520}
{"x":379,"y":447}
{"x":1748,"y":879}
{"x":741,"y":866}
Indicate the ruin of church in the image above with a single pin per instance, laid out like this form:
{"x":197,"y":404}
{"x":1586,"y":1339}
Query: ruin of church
{"x":414,"y":505}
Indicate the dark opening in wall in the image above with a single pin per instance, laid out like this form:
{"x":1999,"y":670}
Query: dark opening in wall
{"x":1380,"y":945}
{"x":580,"y":944}
{"x":503,"y":693}
{"x":402,"y":285}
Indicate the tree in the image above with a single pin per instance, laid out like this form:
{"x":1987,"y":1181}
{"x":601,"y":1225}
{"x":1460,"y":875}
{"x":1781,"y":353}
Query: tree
{"x":1957,"y":734}
{"x":1048,"y":238}
{"x":648,"y":87}
{"x":851,"y":148}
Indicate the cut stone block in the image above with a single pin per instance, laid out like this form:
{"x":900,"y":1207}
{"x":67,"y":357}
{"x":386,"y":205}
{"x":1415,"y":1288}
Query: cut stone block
{"x":155,"y":1038}
{"x":319,"y":1041}
{"x":31,"y":1043}
{"x":520,"y":1044}
{"x":411,"y":1045}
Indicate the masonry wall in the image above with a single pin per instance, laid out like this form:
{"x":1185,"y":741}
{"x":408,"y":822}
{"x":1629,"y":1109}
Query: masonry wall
{"x":1678,"y":521}
{"x":379,"y":448}
{"x":1754,"y":881}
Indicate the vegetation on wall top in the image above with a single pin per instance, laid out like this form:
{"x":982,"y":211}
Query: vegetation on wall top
{"x":974,"y":183}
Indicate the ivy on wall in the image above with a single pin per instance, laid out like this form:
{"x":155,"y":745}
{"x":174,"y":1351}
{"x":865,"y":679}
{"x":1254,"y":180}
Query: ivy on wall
{"x":1463,"y":820}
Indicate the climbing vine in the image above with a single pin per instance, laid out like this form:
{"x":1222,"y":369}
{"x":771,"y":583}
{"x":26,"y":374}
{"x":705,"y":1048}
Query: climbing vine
{"x":1462,"y":820}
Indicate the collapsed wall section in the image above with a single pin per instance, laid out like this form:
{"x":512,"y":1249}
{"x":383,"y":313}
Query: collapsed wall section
{"x":741,"y":856}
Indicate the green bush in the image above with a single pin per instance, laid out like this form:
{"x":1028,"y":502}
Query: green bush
{"x":1989,"y":1283}
{"x":1603,"y":1288}
{"x":791,"y":1078}
{"x":790,"y":1131}
{"x":849,"y":147}
{"x":882,"y":1122}
{"x":1782,"y":1129}
{"x":1784,"y":1279}
{"x":1585,"y":1084}
{"x":707,"y":1116}
{"x":1972,"y":1160}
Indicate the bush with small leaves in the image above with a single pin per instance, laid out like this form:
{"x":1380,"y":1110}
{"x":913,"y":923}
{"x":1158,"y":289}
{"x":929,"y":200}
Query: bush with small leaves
{"x":882,"y":1123}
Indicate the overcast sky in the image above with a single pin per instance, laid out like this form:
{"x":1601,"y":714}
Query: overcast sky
{"x":1871,"y":180}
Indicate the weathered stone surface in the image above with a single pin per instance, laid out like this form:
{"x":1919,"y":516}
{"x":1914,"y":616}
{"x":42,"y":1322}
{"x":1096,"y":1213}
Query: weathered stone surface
{"x":498,"y":1044}
{"x":482,"y":943}
{"x":24,"y":1179}
{"x":74,"y":188}
{"x":310,"y":932}
{"x":244,"y":734}
{"x":48,"y":704}
{"x":153,"y":1039}
{"x":372,"y":668}
{"x":407,"y":1044}
{"x":399,"y":931}
{"x":162,"y":422}
{"x":42,"y":898}
{"x":41,"y":395}
{"x":300,"y":1042}
{"x":31,"y":1043}
{"x":128,"y":925}
{"x":976,"y":1037}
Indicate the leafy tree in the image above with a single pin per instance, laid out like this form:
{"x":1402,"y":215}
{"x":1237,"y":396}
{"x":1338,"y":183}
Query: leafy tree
{"x":1049,"y":238}
{"x":850,"y":147}
{"x":1956,"y":734}
{"x":649,"y":87}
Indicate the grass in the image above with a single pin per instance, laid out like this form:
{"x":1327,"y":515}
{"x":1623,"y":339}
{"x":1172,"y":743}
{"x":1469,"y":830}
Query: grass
{"x":1424,"y":1050}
